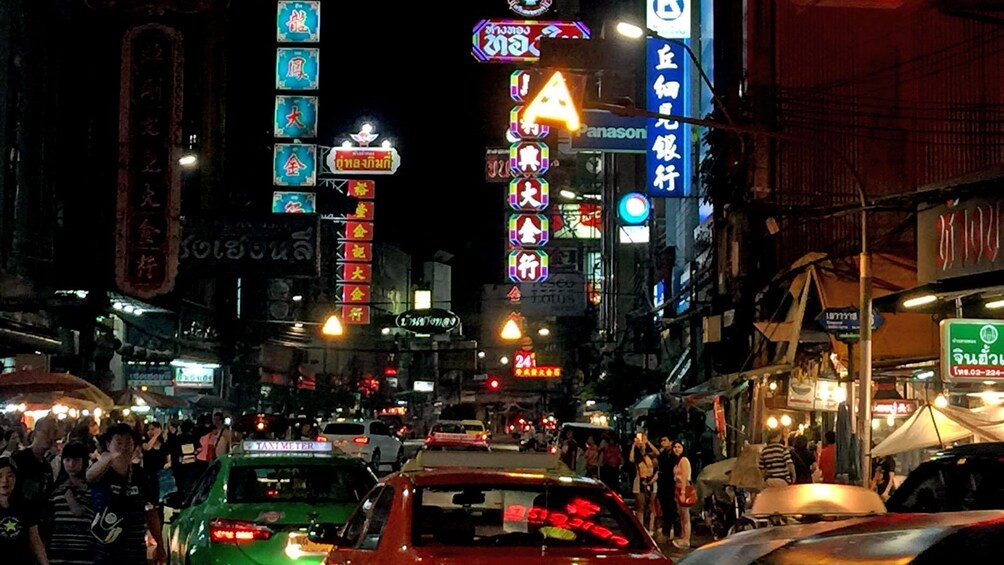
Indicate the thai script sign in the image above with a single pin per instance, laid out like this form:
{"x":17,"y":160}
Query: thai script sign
{"x":149,"y":177}
{"x":667,"y":88}
{"x":845,"y":322}
{"x":427,"y":321}
{"x":518,"y":41}
{"x":530,"y":8}
{"x":363,"y":161}
{"x":897,"y":408}
{"x":298,"y":22}
{"x":497,"y":165}
{"x":959,"y":238}
{"x":287,"y":245}
{"x":972,"y":350}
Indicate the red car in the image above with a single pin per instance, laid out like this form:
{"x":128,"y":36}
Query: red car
{"x":490,"y":508}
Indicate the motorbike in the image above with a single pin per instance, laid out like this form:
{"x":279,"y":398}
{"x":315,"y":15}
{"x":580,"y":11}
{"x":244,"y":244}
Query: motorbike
{"x":723,"y":511}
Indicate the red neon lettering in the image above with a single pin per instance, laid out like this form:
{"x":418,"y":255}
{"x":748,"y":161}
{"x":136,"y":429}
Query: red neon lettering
{"x":537,"y":515}
{"x":946,"y":240}
{"x":558,"y":519}
{"x":583,"y":507}
{"x":601,"y":532}
{"x":619,"y":540}
{"x":514,"y":513}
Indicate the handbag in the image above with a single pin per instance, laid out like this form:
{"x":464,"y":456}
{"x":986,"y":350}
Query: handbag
{"x":686,"y":496}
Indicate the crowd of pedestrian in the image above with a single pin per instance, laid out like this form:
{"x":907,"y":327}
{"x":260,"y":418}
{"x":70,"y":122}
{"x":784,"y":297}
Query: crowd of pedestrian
{"x":89,"y":492}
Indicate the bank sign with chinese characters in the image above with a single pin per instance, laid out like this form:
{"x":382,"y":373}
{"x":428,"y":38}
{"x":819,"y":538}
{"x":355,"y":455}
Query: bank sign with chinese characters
{"x":668,"y":157}
{"x":972,"y":350}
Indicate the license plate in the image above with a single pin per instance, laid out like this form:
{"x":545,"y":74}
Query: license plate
{"x":305,"y":546}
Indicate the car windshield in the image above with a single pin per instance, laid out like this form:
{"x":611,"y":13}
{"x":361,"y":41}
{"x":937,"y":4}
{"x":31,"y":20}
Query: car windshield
{"x":521,"y":516}
{"x":457,"y":447}
{"x":298,"y":483}
{"x":950,"y":486}
{"x":446,"y":428}
{"x":344,"y":429}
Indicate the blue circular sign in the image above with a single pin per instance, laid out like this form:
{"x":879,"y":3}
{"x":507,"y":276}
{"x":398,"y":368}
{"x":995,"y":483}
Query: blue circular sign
{"x":634,"y":208}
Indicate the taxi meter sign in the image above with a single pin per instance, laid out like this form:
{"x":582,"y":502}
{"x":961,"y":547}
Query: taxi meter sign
{"x":273,"y":446}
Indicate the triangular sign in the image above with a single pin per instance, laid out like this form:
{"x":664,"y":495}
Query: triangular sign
{"x":554,"y":103}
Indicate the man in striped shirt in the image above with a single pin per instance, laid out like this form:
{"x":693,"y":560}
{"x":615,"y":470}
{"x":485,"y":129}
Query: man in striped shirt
{"x":775,"y":462}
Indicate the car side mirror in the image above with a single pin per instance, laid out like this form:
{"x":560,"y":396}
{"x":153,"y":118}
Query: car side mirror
{"x":325,"y":532}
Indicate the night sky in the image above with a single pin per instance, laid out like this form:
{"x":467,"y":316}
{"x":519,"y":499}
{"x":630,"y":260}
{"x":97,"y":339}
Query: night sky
{"x":407,"y":68}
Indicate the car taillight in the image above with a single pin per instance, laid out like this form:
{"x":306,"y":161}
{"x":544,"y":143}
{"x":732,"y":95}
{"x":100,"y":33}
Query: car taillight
{"x":320,"y":438}
{"x":236,"y":531}
{"x":428,"y":438}
{"x":484,"y":437}
{"x":553,"y":449}
{"x":360,"y":440}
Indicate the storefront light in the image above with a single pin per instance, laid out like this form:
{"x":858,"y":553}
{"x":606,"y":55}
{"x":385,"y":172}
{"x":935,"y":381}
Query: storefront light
{"x":840,"y":394}
{"x":785,"y":420}
{"x":773,"y":385}
{"x":890,"y":420}
{"x":875,"y":423}
{"x":995,"y":304}
{"x":919,"y":300}
{"x":940,"y":401}
{"x":772,"y":423}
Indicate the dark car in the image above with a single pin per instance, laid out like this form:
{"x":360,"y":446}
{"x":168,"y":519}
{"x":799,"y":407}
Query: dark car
{"x":966,"y":477}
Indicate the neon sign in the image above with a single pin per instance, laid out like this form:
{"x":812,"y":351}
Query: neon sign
{"x":574,"y":518}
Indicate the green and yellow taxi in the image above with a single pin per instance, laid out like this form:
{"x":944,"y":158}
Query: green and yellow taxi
{"x":256,"y":504}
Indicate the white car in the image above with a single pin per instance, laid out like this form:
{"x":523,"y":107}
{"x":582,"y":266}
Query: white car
{"x":370,"y":440}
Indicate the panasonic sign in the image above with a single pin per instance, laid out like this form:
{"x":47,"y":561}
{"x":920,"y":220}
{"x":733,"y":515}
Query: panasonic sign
{"x":603,"y":131}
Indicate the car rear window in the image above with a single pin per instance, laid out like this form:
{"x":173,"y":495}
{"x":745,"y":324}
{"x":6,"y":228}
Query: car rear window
{"x":448,"y":428}
{"x":303,"y":483}
{"x":522,"y":516}
{"x":474,"y":427}
{"x":951,"y":486}
{"x":344,"y":429}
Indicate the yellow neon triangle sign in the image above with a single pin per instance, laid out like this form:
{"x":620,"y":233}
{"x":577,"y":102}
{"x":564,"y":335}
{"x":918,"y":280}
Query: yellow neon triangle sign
{"x":554,"y":103}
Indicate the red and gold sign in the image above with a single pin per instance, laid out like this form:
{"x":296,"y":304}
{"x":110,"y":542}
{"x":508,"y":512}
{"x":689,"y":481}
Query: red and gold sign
{"x":355,"y":314}
{"x":364,"y":211}
{"x":357,"y":272}
{"x":363,"y":160}
{"x":359,"y":231}
{"x":362,"y":189}
{"x":539,"y":372}
{"x":149,"y":181}
{"x":356,"y":293}
{"x":358,"y":252}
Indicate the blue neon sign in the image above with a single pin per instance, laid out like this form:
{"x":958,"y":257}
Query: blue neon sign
{"x":298,"y":21}
{"x":668,"y":160}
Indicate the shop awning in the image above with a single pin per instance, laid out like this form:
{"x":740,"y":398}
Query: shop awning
{"x":903,"y":335}
{"x":930,"y":427}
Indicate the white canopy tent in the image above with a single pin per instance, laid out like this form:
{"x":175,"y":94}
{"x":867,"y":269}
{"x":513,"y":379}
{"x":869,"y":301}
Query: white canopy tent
{"x":930,"y":427}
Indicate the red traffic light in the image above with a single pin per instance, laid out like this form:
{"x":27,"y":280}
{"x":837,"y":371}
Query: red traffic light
{"x":494,"y":383}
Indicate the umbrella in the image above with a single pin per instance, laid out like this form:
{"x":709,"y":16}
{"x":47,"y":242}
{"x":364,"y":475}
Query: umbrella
{"x":133,"y":396}
{"x":932,"y":427}
{"x":46,"y":400}
{"x":209,"y":402}
{"x":35,"y":382}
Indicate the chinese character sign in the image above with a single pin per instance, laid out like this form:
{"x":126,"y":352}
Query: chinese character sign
{"x":529,"y":158}
{"x":293,"y":202}
{"x":529,"y":230}
{"x":668,"y":158}
{"x":297,"y":69}
{"x":298,"y":22}
{"x":527,"y":265}
{"x":529,"y":194}
{"x":295,"y":116}
{"x":294,"y":164}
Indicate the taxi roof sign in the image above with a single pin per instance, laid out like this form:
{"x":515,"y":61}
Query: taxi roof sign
{"x":487,"y":460}
{"x":286,"y":446}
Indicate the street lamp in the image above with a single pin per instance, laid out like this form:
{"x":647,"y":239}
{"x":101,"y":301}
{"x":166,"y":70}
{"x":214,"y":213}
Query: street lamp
{"x":333,"y":326}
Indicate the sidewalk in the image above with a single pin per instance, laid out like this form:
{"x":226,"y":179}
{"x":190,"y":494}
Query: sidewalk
{"x":697,"y":539}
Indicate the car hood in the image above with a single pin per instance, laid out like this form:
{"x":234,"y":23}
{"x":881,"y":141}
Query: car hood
{"x":892,"y":538}
{"x":533,"y":556}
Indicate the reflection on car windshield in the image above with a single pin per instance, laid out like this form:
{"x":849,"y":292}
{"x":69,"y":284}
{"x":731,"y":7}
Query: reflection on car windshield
{"x":448,"y":428}
{"x":951,"y":486}
{"x":307,"y":483}
{"x":519,"y":516}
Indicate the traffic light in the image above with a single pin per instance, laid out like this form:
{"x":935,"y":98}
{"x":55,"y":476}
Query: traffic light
{"x":493,"y":384}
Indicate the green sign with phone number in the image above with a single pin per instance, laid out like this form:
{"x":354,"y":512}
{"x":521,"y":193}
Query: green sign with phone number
{"x":972,"y":350}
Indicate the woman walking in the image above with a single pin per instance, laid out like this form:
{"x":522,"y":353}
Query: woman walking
{"x":681,"y":475}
